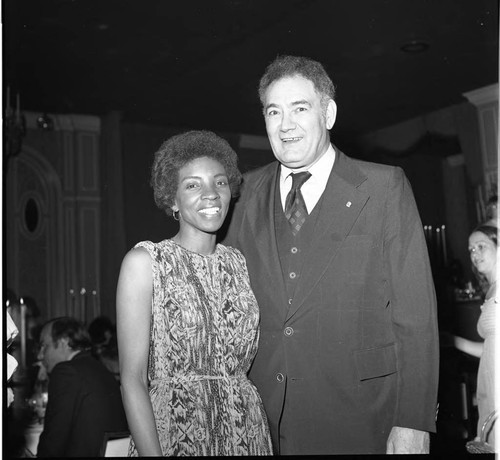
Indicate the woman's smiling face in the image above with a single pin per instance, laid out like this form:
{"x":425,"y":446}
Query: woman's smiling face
{"x":483,"y":254}
{"x":203,"y":196}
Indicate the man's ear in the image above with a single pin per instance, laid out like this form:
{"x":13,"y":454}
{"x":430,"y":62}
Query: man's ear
{"x":331,"y":114}
{"x":62,"y":342}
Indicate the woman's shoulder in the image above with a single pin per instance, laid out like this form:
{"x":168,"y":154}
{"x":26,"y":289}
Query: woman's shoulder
{"x":146,"y":254}
{"x":231,"y":253}
{"x":154,"y":249}
{"x":140,"y":252}
{"x":137,"y":262}
{"x":148,"y":245}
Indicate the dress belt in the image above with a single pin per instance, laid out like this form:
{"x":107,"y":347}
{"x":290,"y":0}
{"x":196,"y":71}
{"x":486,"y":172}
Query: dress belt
{"x":195,"y":378}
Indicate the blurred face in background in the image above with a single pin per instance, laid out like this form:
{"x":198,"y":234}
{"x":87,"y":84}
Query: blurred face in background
{"x":483,"y":254}
{"x":51,"y":353}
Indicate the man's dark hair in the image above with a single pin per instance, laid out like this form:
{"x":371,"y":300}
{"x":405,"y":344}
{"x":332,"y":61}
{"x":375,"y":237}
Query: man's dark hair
{"x":98,"y":328}
{"x":72,"y":329}
{"x":489,"y":230}
{"x":291,"y":66}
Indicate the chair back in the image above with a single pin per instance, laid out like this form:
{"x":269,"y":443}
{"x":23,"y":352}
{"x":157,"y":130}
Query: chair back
{"x":115,"y":444}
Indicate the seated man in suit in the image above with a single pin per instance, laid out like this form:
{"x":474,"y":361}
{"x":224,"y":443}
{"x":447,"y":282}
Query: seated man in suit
{"x":84,"y":399}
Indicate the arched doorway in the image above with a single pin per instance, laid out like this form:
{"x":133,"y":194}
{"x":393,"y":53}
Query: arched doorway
{"x":33,"y":229}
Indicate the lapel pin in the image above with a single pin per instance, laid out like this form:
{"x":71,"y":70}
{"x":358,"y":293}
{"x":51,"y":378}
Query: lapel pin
{"x":348,"y":204}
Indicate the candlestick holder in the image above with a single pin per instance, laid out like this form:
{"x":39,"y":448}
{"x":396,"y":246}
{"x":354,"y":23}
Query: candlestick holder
{"x":14,"y":130}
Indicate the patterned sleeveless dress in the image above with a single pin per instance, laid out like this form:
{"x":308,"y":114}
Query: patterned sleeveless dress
{"x":487,"y":387}
{"x":204,"y":336}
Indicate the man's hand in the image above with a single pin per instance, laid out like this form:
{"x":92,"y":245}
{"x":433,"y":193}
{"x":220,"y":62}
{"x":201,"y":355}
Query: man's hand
{"x":407,"y":441}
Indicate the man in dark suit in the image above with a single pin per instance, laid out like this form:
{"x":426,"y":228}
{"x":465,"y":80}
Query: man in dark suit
{"x":348,"y":351}
{"x":84,"y":399}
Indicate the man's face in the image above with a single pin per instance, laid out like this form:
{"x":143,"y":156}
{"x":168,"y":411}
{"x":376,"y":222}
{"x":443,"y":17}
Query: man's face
{"x":51,"y":353}
{"x":296,"y":124}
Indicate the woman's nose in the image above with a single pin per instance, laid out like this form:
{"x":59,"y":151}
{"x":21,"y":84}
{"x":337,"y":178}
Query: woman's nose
{"x":211,"y":193}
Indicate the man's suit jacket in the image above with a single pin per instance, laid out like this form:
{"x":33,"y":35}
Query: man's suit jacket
{"x":356,"y":352}
{"x":84,"y":402}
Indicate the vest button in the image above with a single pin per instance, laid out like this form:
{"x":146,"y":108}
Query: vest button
{"x":292,"y":275}
{"x":294,"y":250}
{"x":290,"y":301}
{"x":288,"y":331}
{"x":280,"y":377}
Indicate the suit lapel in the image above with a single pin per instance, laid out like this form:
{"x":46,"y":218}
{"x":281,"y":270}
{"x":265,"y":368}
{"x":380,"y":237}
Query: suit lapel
{"x":261,"y":222}
{"x":340,"y":206}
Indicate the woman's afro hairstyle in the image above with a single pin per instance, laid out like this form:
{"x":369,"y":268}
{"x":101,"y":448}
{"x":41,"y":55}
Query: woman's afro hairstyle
{"x":181,"y":149}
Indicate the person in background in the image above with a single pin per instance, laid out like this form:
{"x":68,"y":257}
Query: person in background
{"x":483,"y":244}
{"x":102,"y":333}
{"x":348,"y":356}
{"x":187,"y":319}
{"x":32,"y":320}
{"x":84,"y":399}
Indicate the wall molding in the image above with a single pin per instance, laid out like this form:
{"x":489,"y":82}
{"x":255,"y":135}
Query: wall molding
{"x":482,"y":96}
{"x":67,"y":122}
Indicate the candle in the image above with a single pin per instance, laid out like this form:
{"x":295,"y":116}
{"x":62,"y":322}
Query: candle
{"x":443,"y":238}
{"x":83,"y":296}
{"x":478,"y":211}
{"x":7,"y":105}
{"x":72,"y":311}
{"x":18,"y":107}
{"x":431,"y":242}
{"x":23,"y":332}
{"x":438,"y":244}
{"x":481,"y":203}
{"x":94,"y":303}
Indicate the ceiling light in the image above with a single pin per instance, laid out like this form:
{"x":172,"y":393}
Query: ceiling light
{"x":415,"y":46}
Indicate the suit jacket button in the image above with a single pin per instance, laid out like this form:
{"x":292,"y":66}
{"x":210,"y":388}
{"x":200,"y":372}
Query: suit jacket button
{"x":288,"y":331}
{"x":280,"y":377}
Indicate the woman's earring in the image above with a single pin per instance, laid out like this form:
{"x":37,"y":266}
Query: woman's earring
{"x":175,"y":214}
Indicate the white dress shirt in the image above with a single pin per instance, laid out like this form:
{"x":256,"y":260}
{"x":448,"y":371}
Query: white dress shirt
{"x":314,"y":187}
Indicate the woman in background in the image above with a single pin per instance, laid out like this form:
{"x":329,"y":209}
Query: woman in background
{"x":483,"y":254}
{"x":187,"y":318}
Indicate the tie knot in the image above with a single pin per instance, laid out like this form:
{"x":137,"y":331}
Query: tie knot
{"x":298,"y":179}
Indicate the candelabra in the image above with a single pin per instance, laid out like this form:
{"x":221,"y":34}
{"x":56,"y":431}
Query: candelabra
{"x":14,"y":129}
{"x":436,"y":244}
